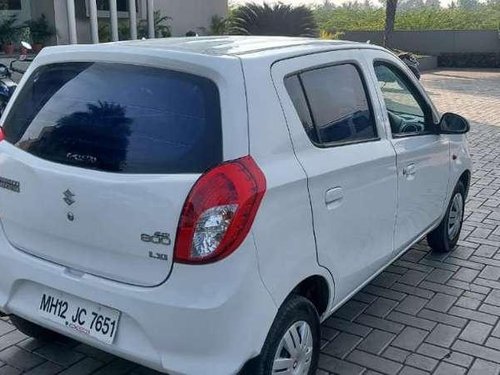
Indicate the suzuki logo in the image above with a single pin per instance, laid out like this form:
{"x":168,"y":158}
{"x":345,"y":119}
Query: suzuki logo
{"x":69,"y":197}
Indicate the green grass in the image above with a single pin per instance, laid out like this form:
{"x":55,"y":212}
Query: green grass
{"x":484,"y":17}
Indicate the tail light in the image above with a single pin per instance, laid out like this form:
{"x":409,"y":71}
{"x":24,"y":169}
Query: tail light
{"x":219,"y":212}
{"x":2,"y":135}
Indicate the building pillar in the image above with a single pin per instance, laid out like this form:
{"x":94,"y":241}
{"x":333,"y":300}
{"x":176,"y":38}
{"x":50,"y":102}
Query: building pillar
{"x":70,"y":5}
{"x":151,"y":19}
{"x":133,"y":19}
{"x":113,"y":15}
{"x":94,"y":24}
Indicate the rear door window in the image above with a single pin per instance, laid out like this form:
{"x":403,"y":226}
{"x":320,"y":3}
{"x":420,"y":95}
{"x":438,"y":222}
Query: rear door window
{"x":296,"y":92}
{"x":339,"y":107}
{"x":118,"y":118}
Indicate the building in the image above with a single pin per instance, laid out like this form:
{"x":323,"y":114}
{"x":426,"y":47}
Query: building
{"x":186,"y":15}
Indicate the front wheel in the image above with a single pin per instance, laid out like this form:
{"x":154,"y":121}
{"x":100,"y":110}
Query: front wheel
{"x":292,"y":345}
{"x":446,"y":235}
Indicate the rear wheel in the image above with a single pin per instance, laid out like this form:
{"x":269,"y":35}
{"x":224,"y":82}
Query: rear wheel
{"x":292,"y":345}
{"x":446,"y":235}
{"x":33,"y":330}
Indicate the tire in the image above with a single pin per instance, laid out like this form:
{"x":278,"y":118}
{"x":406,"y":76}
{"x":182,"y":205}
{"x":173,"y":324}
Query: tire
{"x":34,"y":330}
{"x":297,"y":315}
{"x":444,"y":238}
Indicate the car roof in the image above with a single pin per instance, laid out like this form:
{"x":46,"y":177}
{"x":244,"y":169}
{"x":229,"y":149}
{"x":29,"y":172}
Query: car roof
{"x":231,"y":45}
{"x":266,"y":49}
{"x":239,"y":45}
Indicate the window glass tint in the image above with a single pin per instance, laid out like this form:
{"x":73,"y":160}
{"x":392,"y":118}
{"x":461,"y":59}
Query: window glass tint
{"x":339,"y":105}
{"x":118,"y":118}
{"x":406,"y":115}
{"x":296,"y":93}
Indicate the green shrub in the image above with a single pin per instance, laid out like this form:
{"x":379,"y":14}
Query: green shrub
{"x":482,"y":17}
{"x":40,"y":30}
{"x":162,"y":28}
{"x":8,"y":29}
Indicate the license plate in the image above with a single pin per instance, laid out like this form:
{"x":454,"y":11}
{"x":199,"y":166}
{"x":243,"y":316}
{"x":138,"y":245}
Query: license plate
{"x":79,"y":315}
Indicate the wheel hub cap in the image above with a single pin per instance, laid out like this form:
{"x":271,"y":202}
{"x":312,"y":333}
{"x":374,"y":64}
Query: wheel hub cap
{"x":455,"y":216}
{"x":295,"y":351}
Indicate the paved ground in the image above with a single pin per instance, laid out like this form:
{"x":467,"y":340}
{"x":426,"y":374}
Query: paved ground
{"x":426,"y":313}
{"x":15,"y":76}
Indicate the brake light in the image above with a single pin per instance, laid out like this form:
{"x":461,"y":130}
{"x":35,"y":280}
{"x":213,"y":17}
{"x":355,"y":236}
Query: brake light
{"x":2,"y":135}
{"x":219,"y":212}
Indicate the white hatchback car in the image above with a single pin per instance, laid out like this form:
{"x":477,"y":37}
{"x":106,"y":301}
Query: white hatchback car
{"x":200,"y":205}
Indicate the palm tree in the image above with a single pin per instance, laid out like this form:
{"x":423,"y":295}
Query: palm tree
{"x":277,"y":19}
{"x":218,"y":25}
{"x":390,"y":16}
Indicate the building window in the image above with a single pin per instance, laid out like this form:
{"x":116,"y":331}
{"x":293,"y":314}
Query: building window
{"x":122,"y":5}
{"x":10,"y":4}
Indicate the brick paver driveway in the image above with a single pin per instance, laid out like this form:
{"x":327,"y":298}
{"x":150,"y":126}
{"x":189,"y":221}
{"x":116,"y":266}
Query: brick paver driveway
{"x":427,"y":313}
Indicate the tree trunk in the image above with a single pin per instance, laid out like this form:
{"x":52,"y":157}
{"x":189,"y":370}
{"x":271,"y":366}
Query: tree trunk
{"x":390,"y":16}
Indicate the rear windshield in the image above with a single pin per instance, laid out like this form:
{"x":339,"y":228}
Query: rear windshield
{"x":118,"y":118}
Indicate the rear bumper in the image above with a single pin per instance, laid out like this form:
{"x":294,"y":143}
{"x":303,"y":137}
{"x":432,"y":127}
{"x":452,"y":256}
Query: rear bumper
{"x":204,"y":317}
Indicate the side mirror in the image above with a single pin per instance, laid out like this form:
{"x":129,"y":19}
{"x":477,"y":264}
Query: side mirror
{"x":452,"y":123}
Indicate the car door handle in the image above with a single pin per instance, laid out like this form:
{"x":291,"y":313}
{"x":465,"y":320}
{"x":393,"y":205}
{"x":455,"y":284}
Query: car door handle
{"x":409,"y":171}
{"x":334,"y":197}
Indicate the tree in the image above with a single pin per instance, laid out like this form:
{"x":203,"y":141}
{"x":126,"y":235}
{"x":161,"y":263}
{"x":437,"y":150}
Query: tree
{"x":485,"y":17}
{"x":327,"y":4}
{"x":218,"y":25}
{"x":433,"y":3}
{"x":390,"y":17}
{"x":162,"y":28}
{"x":410,"y":4}
{"x":277,"y":19}
{"x":367,"y":4}
{"x":99,"y":135}
{"x":468,"y":4}
{"x":40,"y":29}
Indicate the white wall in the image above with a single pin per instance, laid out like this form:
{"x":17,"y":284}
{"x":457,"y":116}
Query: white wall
{"x":191,"y":14}
{"x":186,"y":15}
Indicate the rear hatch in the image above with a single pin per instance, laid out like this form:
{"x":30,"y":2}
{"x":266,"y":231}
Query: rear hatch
{"x":99,"y":161}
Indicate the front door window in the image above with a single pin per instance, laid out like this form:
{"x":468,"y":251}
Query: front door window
{"x":407,"y":111}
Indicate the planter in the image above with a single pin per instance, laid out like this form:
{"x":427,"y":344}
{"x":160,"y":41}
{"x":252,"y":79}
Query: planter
{"x":470,"y":60}
{"x":8,"y":49}
{"x":37,"y":47}
{"x":427,"y":63}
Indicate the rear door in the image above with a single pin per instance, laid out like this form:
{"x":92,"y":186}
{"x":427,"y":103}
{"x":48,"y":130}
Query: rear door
{"x":339,"y":141}
{"x":104,"y":155}
{"x":423,"y":156}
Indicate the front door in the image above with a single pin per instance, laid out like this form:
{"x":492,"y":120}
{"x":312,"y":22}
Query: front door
{"x":422,"y":155}
{"x":349,"y":163}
